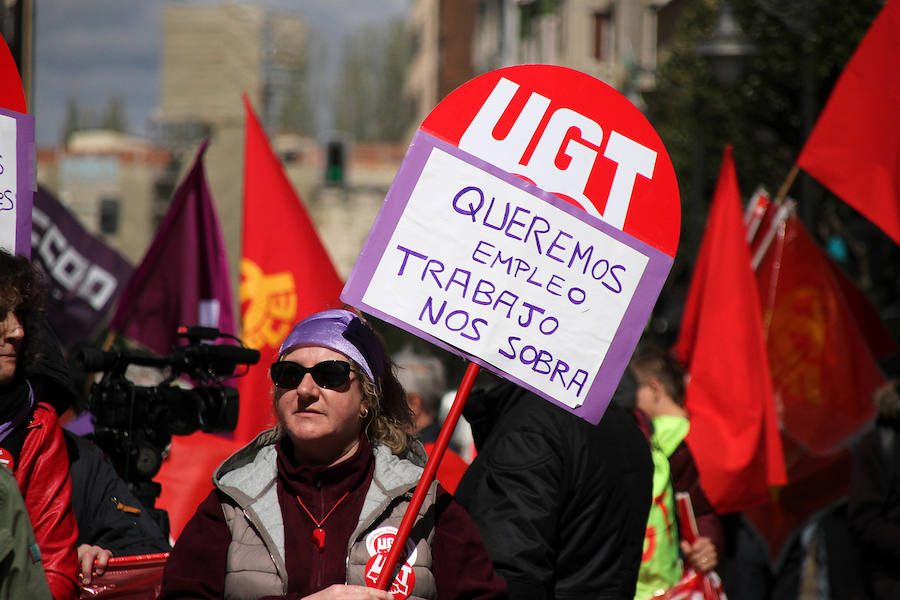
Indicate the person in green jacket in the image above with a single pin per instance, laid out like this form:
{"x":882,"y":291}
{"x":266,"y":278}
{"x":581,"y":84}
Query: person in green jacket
{"x":660,"y":400}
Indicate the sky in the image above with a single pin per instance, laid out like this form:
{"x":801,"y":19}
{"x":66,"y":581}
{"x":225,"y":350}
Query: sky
{"x":91,"y":50}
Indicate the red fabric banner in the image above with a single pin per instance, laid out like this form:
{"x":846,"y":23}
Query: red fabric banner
{"x":734,"y":432}
{"x":868,"y":320}
{"x":814,"y":482}
{"x":286,"y":273}
{"x":854,"y":148}
{"x":810,"y":380}
{"x":186,"y":475}
{"x":128,"y":578}
{"x":823,"y":369}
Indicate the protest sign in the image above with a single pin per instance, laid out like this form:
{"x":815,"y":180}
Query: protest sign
{"x":16,"y":180}
{"x":12,"y":93}
{"x":538,"y":254}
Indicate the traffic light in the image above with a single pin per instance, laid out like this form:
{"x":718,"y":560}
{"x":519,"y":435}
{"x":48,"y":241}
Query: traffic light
{"x":335,"y":162}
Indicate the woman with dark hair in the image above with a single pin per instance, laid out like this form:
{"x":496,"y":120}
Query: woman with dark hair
{"x":31,"y":440}
{"x":310,"y":507}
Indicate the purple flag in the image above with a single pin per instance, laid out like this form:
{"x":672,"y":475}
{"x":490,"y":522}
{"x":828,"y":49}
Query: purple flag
{"x":86,"y":276}
{"x":183,"y":278}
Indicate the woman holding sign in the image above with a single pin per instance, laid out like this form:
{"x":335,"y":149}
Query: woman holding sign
{"x":311,"y":507}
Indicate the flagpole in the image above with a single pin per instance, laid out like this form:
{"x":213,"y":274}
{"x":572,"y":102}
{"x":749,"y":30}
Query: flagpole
{"x":788,"y":182}
{"x":753,"y":216}
{"x":783,"y":213}
{"x":437,"y":453}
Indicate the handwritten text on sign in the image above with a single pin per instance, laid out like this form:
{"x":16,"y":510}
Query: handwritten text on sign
{"x":8,"y":183}
{"x":503,"y":275}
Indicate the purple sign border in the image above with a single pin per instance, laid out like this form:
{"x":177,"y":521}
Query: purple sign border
{"x":636,"y":314}
{"x":25,"y":181}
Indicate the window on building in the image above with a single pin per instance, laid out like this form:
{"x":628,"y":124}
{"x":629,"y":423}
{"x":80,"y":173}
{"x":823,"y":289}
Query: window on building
{"x":603,"y":35}
{"x":109,"y":215}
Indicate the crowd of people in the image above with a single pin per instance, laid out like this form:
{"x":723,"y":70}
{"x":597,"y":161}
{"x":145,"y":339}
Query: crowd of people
{"x":551,"y":506}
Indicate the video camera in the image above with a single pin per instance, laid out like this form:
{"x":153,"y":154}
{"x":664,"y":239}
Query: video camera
{"x":134,"y":424}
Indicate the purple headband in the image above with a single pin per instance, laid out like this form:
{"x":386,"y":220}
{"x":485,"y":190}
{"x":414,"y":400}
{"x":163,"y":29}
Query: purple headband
{"x":343,"y":332}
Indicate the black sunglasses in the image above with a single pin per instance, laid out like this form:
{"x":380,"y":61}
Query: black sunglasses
{"x":327,"y":374}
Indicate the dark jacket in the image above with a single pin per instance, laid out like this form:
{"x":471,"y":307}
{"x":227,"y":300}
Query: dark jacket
{"x":561,"y":504}
{"x":108,"y":514}
{"x":873,"y":507}
{"x":686,"y":478}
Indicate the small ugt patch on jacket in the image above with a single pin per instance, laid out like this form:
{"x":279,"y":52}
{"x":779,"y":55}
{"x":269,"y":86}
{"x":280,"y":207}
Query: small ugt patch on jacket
{"x":378,"y":545}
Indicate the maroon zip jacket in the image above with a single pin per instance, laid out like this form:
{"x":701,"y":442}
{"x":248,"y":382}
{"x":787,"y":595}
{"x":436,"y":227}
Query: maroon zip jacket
{"x":196,"y":566}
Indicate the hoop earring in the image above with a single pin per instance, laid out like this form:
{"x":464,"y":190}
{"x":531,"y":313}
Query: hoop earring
{"x":364,"y":414}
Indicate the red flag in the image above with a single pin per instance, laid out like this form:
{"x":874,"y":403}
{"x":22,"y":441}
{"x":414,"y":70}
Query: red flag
{"x":804,"y":362}
{"x":814,"y":482}
{"x":823,"y":369}
{"x":186,"y":475}
{"x":868,"y":321}
{"x":734,"y":432}
{"x":286,"y":274}
{"x":183,"y":278}
{"x":854,"y":149}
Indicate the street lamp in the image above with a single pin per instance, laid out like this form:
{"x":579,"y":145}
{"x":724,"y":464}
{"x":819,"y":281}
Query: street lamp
{"x":724,"y":51}
{"x":727,"y":47}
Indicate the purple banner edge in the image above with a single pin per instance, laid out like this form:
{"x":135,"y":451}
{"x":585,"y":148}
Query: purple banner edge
{"x":25,"y":178}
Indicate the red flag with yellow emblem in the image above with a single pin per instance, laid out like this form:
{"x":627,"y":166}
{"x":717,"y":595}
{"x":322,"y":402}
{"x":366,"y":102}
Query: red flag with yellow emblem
{"x":822,"y":363}
{"x":823,"y":338}
{"x":286,"y":273}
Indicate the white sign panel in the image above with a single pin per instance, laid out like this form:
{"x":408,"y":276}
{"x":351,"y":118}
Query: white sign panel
{"x":507,"y":277}
{"x":16,"y":181}
{"x":8,"y":183}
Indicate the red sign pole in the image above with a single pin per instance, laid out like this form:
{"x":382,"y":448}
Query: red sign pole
{"x":437,"y":453}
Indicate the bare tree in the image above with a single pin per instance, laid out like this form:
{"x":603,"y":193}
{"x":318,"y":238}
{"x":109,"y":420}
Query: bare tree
{"x":370,"y":85}
{"x":113,"y":116}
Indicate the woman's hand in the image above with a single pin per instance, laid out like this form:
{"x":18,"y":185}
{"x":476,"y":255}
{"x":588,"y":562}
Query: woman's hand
{"x":350,"y":592}
{"x":92,"y":560}
{"x":701,"y":555}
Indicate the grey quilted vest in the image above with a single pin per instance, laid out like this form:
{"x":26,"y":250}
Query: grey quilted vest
{"x":255,"y":564}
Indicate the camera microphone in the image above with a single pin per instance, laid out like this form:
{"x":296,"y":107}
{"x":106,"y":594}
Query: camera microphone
{"x":235,"y":354}
{"x":94,"y":359}
{"x":198,"y":332}
{"x":220,"y":359}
